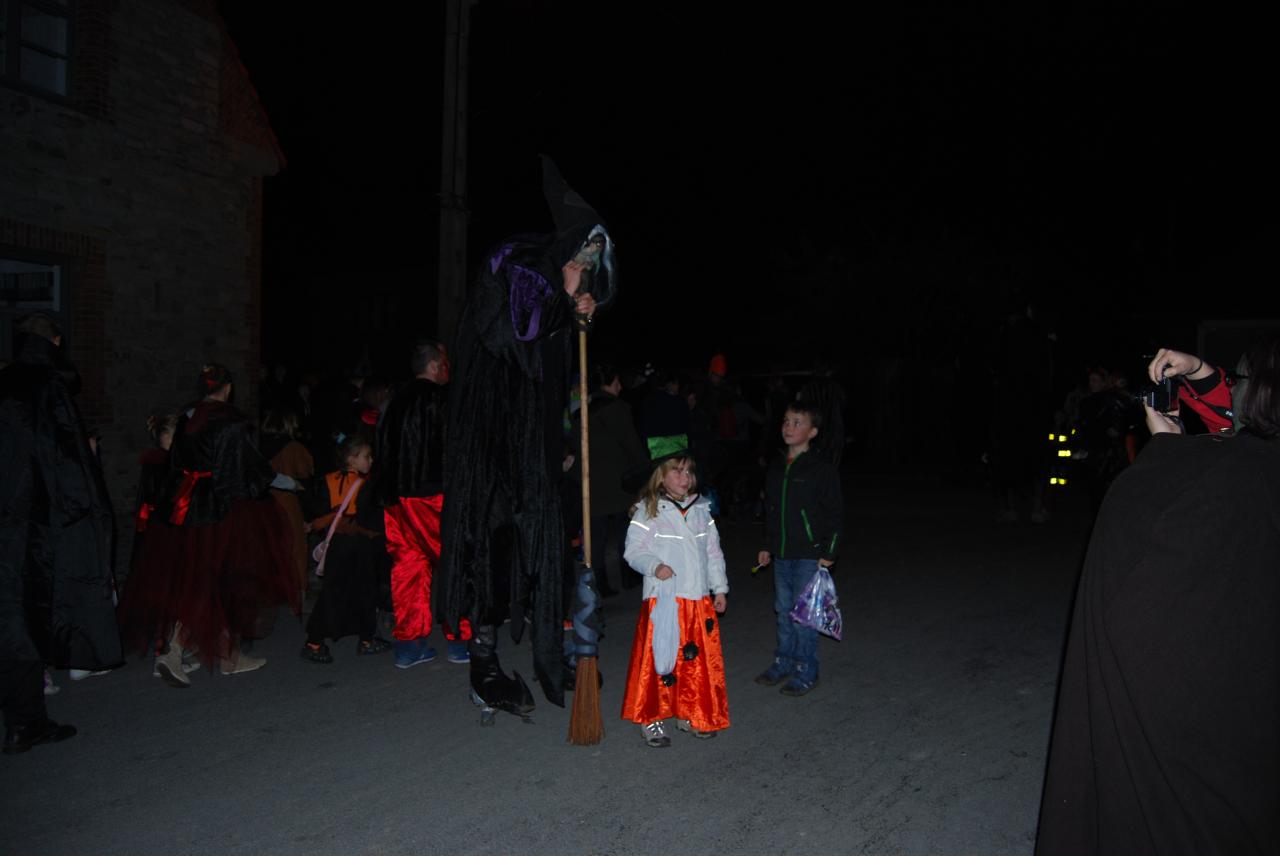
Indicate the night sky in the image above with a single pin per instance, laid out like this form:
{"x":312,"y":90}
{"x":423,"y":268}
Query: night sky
{"x":798,"y":185}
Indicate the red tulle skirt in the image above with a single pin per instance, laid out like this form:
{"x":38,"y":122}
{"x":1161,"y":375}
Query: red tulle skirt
{"x":698,"y":693}
{"x":221,"y":582}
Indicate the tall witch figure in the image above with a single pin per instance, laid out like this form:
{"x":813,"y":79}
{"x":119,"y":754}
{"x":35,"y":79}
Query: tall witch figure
{"x":503,"y":540}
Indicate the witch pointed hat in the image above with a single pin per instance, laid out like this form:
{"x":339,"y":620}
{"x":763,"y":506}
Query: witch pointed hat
{"x":571,"y":213}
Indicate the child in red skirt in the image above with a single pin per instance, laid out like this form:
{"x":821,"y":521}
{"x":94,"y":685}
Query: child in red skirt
{"x":672,"y":541}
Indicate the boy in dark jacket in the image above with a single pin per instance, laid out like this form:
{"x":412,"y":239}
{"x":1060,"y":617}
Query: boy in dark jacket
{"x":803,"y":511}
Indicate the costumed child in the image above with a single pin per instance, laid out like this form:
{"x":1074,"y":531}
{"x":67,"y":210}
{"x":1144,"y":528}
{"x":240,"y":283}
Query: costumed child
{"x":280,"y":446}
{"x":348,"y":599}
{"x":214,"y":572}
{"x":153,"y":471}
{"x":677,"y":666}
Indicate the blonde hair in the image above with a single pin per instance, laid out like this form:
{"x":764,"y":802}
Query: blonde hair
{"x":161,"y":423}
{"x":653,"y":489}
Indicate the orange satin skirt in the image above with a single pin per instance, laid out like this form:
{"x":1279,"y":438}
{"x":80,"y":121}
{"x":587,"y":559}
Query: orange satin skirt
{"x":698,"y":693}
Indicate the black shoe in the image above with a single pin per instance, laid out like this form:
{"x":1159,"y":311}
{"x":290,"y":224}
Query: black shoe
{"x":23,"y":737}
{"x":317,"y":655}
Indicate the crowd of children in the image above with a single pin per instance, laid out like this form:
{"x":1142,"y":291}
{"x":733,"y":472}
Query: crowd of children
{"x":366,"y":534}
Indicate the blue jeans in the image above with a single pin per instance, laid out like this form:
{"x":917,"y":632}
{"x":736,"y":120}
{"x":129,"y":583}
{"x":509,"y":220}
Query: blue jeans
{"x":797,"y":644}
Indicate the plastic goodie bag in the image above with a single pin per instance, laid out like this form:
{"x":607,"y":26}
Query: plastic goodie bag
{"x":818,"y":607}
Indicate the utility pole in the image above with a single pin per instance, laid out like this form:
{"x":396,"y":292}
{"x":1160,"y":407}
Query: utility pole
{"x":451,"y":285}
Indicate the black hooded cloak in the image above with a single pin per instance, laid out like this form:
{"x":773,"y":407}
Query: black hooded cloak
{"x":502,"y":528}
{"x":56,"y":586}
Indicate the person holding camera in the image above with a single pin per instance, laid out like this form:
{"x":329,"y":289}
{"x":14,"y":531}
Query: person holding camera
{"x":1165,"y":737}
{"x":1202,"y":387}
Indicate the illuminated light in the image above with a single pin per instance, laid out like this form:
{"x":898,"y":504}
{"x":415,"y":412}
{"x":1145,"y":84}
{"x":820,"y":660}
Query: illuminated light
{"x":1064,"y":453}
{"x":1053,"y":480}
{"x":1073,"y":432}
{"x":1062,"y":481}
{"x":1062,"y":438}
{"x":1051,"y":438}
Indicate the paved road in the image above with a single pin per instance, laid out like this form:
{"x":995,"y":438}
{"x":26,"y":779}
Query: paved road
{"x":927,"y":734}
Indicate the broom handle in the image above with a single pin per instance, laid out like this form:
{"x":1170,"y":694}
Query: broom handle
{"x":586,"y":451}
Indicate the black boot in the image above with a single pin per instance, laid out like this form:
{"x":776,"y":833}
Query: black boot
{"x":489,"y":681}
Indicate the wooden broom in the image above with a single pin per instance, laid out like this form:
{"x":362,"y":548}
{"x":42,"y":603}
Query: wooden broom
{"x":586,"y":728}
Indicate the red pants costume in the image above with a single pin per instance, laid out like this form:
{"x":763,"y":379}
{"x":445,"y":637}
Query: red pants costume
{"x":413,"y":541}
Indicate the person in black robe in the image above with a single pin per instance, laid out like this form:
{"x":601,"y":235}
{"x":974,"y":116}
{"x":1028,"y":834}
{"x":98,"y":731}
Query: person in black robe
{"x":56,"y":586}
{"x":1167,"y":733}
{"x":503,"y":540}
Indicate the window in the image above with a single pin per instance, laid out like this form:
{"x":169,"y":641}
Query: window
{"x":26,"y":287}
{"x":35,"y":43}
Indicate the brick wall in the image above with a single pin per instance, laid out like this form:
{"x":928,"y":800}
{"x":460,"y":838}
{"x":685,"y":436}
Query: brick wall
{"x":138,"y":183}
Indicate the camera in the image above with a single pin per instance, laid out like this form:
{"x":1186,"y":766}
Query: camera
{"x":1162,"y":397}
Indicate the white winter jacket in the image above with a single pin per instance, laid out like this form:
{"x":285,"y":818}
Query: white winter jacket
{"x":689,"y":543}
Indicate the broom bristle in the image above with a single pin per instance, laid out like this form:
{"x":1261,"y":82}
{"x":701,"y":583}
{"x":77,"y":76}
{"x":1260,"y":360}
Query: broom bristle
{"x":586,"y":728}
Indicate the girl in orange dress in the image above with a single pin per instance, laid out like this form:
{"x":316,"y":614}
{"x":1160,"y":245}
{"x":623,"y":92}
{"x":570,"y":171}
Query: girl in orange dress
{"x":673,"y":543}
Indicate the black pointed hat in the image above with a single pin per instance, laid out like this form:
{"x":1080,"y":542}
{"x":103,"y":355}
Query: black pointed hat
{"x":571,"y":213}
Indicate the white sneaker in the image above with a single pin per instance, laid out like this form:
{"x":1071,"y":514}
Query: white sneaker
{"x":50,"y":688}
{"x":655,"y":735}
{"x":81,"y":674}
{"x":687,"y":727}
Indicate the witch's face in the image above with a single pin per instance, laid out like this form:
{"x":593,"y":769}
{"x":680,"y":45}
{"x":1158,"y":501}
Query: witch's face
{"x":589,"y":255}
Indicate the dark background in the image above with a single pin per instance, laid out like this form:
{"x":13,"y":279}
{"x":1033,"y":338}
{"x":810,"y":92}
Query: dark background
{"x":789,"y":185}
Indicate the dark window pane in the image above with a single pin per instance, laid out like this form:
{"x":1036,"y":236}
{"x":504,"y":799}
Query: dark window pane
{"x":47,"y":31}
{"x":44,"y":71}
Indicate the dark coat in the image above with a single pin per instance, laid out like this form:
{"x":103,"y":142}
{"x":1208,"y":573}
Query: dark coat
{"x":804,"y":507}
{"x":615,"y":450}
{"x":214,"y":437}
{"x":410,"y":453}
{"x":1165,"y":738}
{"x":56,"y":586}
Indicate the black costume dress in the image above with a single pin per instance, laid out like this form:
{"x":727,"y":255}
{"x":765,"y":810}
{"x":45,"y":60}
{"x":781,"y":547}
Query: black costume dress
{"x":217,"y":555}
{"x":1167,"y":733}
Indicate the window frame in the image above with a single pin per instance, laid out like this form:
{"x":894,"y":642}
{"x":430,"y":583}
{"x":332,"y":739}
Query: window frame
{"x":14,"y":44}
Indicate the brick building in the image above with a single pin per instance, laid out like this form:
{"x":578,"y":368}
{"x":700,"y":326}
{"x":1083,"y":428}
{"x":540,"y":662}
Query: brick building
{"x":132,"y":152}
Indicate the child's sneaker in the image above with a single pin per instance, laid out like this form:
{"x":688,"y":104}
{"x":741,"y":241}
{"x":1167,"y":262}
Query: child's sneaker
{"x":458,"y":651}
{"x":413,"y":652}
{"x":655,"y":735}
{"x":50,"y":688}
{"x":776,"y":672}
{"x":376,"y":645}
{"x":801,"y":682}
{"x":317,"y":654}
{"x":687,"y":727}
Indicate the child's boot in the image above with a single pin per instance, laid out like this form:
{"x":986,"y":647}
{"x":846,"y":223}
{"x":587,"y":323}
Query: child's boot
{"x":169,"y":663}
{"x":777,"y":671}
